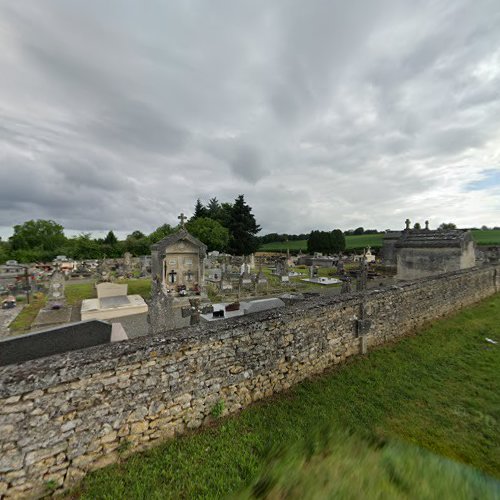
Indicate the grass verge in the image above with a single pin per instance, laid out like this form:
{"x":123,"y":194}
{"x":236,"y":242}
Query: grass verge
{"x":23,"y":320}
{"x":439,"y":390}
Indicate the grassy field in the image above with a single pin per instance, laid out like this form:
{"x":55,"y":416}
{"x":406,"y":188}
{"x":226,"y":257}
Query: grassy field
{"x":76,"y":292}
{"x":490,"y":237}
{"x":23,"y":320}
{"x":376,"y":427}
{"x":352,"y":242}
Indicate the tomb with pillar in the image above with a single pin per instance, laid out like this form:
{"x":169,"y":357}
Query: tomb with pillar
{"x":177,"y":289}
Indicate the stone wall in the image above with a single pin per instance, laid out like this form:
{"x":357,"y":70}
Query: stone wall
{"x":65,"y":415}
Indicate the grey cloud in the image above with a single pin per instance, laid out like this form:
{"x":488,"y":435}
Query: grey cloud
{"x":323,"y":113}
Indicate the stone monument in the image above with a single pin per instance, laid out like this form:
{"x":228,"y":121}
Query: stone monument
{"x":177,"y":266}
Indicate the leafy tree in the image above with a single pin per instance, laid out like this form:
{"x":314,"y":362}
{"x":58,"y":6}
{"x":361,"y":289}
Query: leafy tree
{"x":358,"y":230}
{"x":326,"y":242}
{"x":84,"y":247}
{"x":338,"y":241}
{"x":137,"y":244}
{"x":4,"y":251}
{"x":44,"y":235}
{"x":417,"y":225}
{"x":210,"y":232}
{"x":160,"y":232}
{"x":447,"y":225}
{"x":243,"y":228}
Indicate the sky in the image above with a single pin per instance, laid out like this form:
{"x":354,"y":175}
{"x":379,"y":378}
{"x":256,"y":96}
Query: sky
{"x":324,"y":114}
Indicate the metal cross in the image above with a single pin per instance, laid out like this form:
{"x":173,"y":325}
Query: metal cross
{"x":172,"y":275}
{"x":182,"y":218}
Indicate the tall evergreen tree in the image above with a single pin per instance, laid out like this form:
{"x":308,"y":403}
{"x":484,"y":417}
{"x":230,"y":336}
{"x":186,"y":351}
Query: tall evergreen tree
{"x":214,"y":209}
{"x":110,"y":239}
{"x":199,"y":210}
{"x":243,"y":228}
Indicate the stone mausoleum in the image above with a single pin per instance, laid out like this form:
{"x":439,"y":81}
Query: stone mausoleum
{"x":423,"y":252}
{"x":177,"y":289}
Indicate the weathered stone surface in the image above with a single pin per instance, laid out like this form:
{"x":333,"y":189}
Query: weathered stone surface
{"x":11,"y":460}
{"x":72,"y":413}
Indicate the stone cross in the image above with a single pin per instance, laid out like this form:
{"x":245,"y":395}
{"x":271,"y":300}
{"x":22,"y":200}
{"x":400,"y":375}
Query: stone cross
{"x":182,"y":218}
{"x":427,"y":225}
{"x":193,"y":311}
{"x":346,"y":286}
{"x":407,"y":222}
{"x":362,"y":281}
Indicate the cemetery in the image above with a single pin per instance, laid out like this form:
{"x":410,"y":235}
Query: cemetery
{"x":265,"y":322}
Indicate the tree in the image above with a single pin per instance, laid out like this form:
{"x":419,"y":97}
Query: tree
{"x":4,"y":251}
{"x":137,"y":244}
{"x":84,"y":247}
{"x":338,"y":241}
{"x":110,"y":239}
{"x":214,"y":210}
{"x":447,"y":225}
{"x":417,"y":226}
{"x":210,"y":232}
{"x":243,"y":228}
{"x":199,"y":210}
{"x":326,"y":242}
{"x":160,"y":232}
{"x":44,"y":235}
{"x":358,"y":230}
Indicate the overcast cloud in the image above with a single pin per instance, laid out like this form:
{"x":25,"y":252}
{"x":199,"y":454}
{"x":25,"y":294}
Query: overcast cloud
{"x":119,"y":114}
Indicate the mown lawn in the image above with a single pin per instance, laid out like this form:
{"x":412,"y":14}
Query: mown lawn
{"x":76,"y":292}
{"x":363,"y":423}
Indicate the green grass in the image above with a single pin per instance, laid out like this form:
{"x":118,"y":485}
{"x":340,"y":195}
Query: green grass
{"x":357,"y":242}
{"x":23,"y":320}
{"x":352,"y":242}
{"x":332,"y":464}
{"x":490,"y":237}
{"x":439,"y":390}
{"x":76,"y":292}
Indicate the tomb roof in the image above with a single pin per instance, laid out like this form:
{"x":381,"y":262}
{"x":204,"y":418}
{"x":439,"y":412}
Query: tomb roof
{"x":180,"y":235}
{"x":421,"y":238}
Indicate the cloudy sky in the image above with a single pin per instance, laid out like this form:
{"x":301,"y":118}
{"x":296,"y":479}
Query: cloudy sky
{"x":119,"y":114}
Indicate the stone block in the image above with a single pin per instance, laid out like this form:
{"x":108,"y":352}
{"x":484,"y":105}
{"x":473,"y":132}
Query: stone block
{"x":138,"y":427}
{"x":11,"y":460}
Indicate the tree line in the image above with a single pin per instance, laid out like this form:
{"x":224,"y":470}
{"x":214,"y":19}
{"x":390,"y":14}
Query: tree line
{"x":227,"y":227}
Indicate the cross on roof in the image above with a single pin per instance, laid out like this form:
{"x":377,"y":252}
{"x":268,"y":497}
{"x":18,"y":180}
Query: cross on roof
{"x":182,"y":218}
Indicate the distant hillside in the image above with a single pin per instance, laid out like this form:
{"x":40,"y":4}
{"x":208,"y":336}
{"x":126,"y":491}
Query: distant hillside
{"x":353,"y":242}
{"x":490,"y":237}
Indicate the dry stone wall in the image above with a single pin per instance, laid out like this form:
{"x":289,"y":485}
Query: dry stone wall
{"x":67,"y":414}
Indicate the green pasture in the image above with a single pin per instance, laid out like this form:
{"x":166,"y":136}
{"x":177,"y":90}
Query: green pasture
{"x":358,"y":242}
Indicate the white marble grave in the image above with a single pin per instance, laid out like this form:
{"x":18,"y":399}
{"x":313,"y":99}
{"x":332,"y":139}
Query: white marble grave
{"x":112,"y":302}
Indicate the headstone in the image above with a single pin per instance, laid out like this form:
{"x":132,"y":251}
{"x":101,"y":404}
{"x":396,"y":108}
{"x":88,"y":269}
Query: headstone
{"x":111,"y":290}
{"x":346,"y":285}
